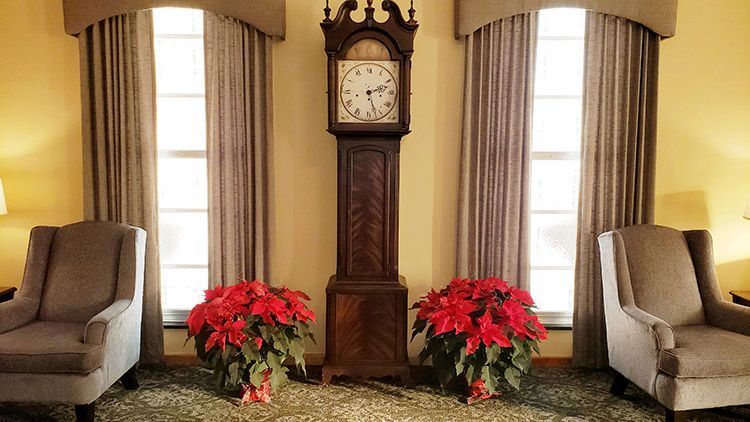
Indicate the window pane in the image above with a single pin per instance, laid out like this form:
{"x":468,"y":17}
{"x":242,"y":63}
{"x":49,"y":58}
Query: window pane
{"x":183,"y":287}
{"x":562,"y":22}
{"x":179,"y":66}
{"x":183,"y":183}
{"x":559,"y":67}
{"x":171,"y":20}
{"x":554,"y":184}
{"x":552,"y":290}
{"x":181,"y":123}
{"x":557,"y":125}
{"x":553,"y":240}
{"x":183,"y":238}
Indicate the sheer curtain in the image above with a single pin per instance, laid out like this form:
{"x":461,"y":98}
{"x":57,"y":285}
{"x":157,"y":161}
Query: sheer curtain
{"x":618,"y":160}
{"x":496,"y":150}
{"x":240,"y":128}
{"x":119,"y":144}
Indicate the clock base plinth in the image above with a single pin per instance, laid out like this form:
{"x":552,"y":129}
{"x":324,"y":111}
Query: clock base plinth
{"x":366,"y":330}
{"x":402,"y":372}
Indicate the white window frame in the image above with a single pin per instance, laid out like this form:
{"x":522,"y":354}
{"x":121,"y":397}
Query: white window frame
{"x":177,"y":317}
{"x":551,"y":318}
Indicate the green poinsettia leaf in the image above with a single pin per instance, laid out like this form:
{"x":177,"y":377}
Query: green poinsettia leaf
{"x":469,"y":373}
{"x":521,"y":362}
{"x":274,"y":361}
{"x":535,"y":346}
{"x":490,"y":380}
{"x":297,"y":351}
{"x":257,"y":373}
{"x":234,"y":373}
{"x":251,"y":352}
{"x":513,"y":376}
{"x":460,"y":359}
{"x":452,"y":343}
{"x":444,"y":366}
{"x":418,"y":327}
{"x":493,"y":353}
{"x":278,"y":378}
{"x":281,"y":343}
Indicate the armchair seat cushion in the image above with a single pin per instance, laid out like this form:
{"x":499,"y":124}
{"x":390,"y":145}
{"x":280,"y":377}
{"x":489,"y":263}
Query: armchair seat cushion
{"x":48,"y":347}
{"x":704,"y":351}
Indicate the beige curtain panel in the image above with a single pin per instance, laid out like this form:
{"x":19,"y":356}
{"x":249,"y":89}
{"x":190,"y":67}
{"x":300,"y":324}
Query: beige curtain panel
{"x":119,"y":144}
{"x":240,"y":127}
{"x":268,"y":16}
{"x":496,"y":151}
{"x":658,"y":15}
{"x":618,"y":160}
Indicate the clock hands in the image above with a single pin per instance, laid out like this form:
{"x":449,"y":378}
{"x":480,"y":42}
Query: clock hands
{"x":374,"y":110}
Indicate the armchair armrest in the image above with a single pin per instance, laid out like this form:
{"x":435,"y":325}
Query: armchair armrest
{"x":101,"y":324}
{"x":663,"y":332}
{"x":17,"y":313}
{"x":729,"y":316}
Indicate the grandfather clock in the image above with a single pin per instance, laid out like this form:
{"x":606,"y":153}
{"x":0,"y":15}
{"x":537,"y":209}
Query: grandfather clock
{"x":369,"y":89}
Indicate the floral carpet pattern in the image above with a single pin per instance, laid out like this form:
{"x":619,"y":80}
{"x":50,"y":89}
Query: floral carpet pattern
{"x":186,"y":394}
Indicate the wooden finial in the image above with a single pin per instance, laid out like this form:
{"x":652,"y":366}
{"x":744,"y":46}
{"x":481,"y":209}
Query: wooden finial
{"x":412,"y":12}
{"x":327,"y":12}
{"x":369,"y":3}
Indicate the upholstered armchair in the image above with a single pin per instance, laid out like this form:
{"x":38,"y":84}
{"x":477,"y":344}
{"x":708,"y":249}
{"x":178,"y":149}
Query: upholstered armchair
{"x":668,"y":329}
{"x":74,"y":329}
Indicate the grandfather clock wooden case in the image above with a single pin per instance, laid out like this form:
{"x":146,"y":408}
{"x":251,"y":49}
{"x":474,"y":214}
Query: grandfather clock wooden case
{"x":369,"y":88}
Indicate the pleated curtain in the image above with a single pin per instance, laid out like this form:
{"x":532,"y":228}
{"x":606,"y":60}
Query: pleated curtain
{"x":239,"y":121}
{"x":618,"y":160}
{"x":493,"y":225}
{"x":119,"y":144}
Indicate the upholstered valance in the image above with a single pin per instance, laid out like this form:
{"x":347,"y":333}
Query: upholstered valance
{"x":658,"y":15}
{"x":268,"y":16}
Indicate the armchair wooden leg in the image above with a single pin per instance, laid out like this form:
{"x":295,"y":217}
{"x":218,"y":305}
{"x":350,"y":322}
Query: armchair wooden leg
{"x":674,"y":416}
{"x":619,"y":384}
{"x":85,"y":412}
{"x":129,"y":381}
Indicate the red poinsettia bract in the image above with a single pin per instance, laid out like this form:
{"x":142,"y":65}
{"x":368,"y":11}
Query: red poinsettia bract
{"x":485,"y":310}
{"x":469,"y":315}
{"x":228,"y":310}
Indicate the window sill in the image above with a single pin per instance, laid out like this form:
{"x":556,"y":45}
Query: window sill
{"x":175,"y":318}
{"x":556,"y":320}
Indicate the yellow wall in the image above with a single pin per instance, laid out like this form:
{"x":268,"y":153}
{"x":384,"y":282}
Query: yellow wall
{"x":40,"y":127}
{"x":703,"y":168}
{"x":703,"y":165}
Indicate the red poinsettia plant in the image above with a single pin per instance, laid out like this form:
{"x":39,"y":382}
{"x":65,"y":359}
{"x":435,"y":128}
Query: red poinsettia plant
{"x":480,"y":330}
{"x":245,"y":333}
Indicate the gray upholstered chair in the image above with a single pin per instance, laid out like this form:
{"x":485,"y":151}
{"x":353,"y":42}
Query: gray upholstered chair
{"x":75,"y":327}
{"x":668,"y":329}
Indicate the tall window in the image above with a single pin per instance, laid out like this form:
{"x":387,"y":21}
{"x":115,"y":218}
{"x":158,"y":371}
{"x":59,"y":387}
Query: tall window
{"x":182,"y":175}
{"x":555,"y":166}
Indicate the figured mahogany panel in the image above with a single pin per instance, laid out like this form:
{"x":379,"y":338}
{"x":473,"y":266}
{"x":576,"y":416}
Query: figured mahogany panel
{"x":367,"y":212}
{"x":368,"y":206}
{"x":365,"y":327}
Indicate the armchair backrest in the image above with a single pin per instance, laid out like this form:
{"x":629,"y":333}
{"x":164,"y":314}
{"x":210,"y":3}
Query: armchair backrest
{"x":662,"y":275}
{"x":83,"y":275}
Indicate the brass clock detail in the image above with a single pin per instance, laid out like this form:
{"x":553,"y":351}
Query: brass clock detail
{"x":369,"y":93}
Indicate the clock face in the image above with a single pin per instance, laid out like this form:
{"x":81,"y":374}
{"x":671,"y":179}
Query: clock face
{"x":368,"y":91}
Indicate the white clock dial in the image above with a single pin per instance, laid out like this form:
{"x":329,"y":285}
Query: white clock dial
{"x":368,"y":91}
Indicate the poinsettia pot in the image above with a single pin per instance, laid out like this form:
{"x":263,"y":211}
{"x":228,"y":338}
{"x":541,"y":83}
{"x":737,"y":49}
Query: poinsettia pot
{"x":483,"y":331}
{"x":246,"y":332}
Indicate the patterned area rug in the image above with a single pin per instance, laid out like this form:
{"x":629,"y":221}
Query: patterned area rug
{"x":185,"y":394}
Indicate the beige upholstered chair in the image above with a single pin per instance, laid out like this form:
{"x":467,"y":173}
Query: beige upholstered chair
{"x":75,"y":327}
{"x":668,"y":329}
